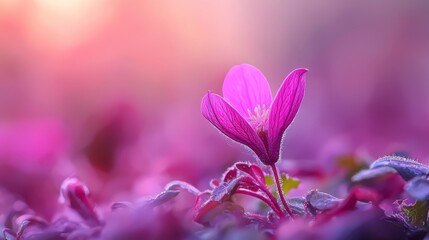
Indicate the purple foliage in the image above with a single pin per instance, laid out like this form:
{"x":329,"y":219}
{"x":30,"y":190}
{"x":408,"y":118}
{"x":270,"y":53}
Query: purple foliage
{"x":389,"y":199}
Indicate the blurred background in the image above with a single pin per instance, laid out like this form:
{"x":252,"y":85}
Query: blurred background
{"x":109,"y":90}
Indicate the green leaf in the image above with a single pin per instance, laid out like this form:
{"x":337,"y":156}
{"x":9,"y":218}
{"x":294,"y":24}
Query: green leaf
{"x":288,"y":183}
{"x":269,"y":181}
{"x":416,"y":214}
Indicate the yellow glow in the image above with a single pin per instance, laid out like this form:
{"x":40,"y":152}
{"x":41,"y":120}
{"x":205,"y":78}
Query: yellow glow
{"x":64,"y":23}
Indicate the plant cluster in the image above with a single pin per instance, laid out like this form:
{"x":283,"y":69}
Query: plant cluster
{"x":386,"y":200}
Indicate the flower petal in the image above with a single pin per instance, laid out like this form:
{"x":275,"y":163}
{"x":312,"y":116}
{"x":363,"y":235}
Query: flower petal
{"x":245,"y":87}
{"x":225,"y":118}
{"x":284,"y":108}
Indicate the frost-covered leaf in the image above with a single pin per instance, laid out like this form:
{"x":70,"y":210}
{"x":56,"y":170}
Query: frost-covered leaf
{"x":8,"y":234}
{"x":418,"y":188}
{"x":248,"y":183}
{"x":211,"y":210}
{"x":407,"y":168}
{"x":28,"y":219}
{"x":253,"y":170}
{"x":321,"y":201}
{"x":372,"y":173}
{"x":224,"y":190}
{"x":214,"y":183}
{"x":76,"y":195}
{"x":260,"y":221}
{"x":175,"y":185}
{"x":220,"y":200}
{"x":19,"y":208}
{"x":416,"y":214}
{"x":230,"y":174}
{"x":164,"y":197}
{"x":119,"y":205}
{"x":257,"y":173}
{"x":297,"y":205}
{"x":203,"y":197}
{"x":331,"y":207}
{"x":288,"y":183}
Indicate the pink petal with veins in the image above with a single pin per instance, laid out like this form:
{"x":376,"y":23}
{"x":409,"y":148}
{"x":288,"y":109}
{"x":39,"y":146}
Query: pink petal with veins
{"x":245,"y":87}
{"x":284,"y":108}
{"x":225,"y":118}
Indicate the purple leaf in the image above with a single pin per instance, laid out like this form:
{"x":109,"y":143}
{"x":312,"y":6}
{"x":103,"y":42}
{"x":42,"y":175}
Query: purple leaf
{"x":253,"y":170}
{"x":248,"y":183}
{"x":163,"y":197}
{"x":261,"y":221}
{"x":372,"y":173}
{"x":230,"y":174}
{"x":175,"y":185}
{"x":19,"y":208}
{"x":76,"y":195}
{"x":212,"y":210}
{"x":333,"y":207}
{"x":119,"y":205}
{"x":226,"y":189}
{"x":214,"y":183}
{"x":321,"y":201}
{"x":418,"y":188}
{"x":405,"y":167}
{"x":8,"y":234}
{"x":297,"y":205}
{"x":257,"y":173}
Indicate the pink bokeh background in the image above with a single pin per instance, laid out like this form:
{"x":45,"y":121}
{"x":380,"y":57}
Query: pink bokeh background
{"x":110,"y":90}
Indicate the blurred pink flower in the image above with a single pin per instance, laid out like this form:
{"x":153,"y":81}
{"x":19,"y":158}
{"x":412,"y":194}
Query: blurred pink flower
{"x":247,"y":113}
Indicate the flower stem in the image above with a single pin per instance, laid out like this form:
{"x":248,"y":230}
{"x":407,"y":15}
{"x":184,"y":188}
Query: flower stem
{"x":272,"y":198}
{"x":272,"y":205}
{"x":280,"y":191}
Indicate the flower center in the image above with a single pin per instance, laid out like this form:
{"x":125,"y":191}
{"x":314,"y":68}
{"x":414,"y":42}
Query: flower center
{"x":259,"y":118}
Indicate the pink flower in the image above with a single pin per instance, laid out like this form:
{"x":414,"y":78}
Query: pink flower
{"x":247,"y":113}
